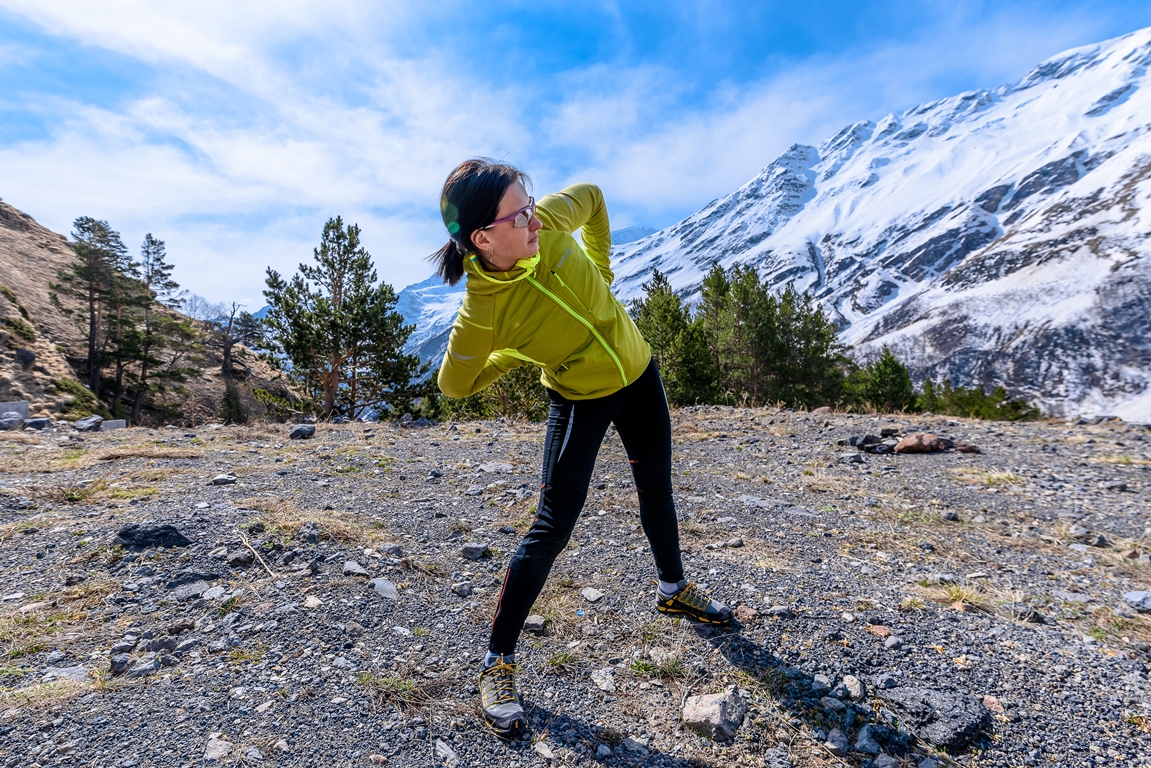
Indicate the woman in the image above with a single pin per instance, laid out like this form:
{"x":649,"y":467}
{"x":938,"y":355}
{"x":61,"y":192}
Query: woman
{"x":535,"y":297}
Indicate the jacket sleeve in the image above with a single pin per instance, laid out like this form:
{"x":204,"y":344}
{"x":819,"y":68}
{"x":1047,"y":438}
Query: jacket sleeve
{"x":582,"y":207}
{"x":470,"y":364}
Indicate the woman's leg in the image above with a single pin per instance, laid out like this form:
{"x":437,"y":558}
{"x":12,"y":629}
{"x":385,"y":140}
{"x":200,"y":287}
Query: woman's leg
{"x":574,"y":434}
{"x":644,"y":426}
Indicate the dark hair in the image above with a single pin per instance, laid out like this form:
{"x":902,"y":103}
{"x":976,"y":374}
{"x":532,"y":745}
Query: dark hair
{"x":470,"y":200}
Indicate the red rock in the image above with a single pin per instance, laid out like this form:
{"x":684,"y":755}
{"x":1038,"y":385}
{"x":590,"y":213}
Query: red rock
{"x":921,"y":442}
{"x":880,"y":630}
{"x":992,"y":703}
{"x":967,"y":448}
{"x":823,"y":409}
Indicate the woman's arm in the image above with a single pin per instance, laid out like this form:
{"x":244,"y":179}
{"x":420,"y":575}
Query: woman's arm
{"x":469,"y":363}
{"x":582,"y":207}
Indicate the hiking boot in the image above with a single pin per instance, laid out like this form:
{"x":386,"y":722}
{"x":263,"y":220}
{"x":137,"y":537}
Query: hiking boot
{"x":500,"y":701}
{"x":694,"y":603}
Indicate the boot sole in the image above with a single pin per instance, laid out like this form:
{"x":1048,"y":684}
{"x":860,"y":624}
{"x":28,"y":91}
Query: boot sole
{"x":701,"y":619}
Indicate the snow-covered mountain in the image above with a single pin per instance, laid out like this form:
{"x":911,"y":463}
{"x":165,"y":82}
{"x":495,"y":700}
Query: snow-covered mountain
{"x":995,"y":237}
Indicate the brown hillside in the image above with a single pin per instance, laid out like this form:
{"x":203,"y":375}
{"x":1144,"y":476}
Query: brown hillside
{"x":30,"y":258}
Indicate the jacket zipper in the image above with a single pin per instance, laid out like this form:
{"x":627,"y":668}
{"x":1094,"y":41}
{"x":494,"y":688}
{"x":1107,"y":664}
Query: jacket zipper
{"x":584,"y":320}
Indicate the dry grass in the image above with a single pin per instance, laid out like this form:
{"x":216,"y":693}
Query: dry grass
{"x":409,"y":690}
{"x":42,"y":696}
{"x":1121,"y":459}
{"x":284,"y":518}
{"x":975,"y":476}
{"x":964,"y":597}
{"x":147,"y":452}
{"x":558,"y":605}
{"x":24,"y":634}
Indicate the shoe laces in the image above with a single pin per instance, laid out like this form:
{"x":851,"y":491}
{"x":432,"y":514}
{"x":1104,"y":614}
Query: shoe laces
{"x":498,"y":683}
{"x":692,"y":597}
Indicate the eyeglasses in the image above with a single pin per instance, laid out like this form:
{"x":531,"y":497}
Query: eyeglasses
{"x":520,"y":218}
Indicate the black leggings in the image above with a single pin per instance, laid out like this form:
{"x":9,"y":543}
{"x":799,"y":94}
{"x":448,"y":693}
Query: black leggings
{"x":575,"y":430}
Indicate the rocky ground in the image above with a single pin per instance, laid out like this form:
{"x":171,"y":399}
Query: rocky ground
{"x":976,"y":609}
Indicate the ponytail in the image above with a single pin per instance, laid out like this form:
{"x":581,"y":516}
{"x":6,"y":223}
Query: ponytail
{"x":449,"y":262}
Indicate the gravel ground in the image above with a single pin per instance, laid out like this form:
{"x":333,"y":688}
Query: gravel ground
{"x":947,"y":607}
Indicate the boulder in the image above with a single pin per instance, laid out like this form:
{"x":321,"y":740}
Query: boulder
{"x":474,"y":550}
{"x":352,"y":568}
{"x":384,"y":588}
{"x":148,"y":535}
{"x":1140,"y":601}
{"x":88,"y":423}
{"x":25,"y":357}
{"x":302,"y":432}
{"x":921,"y":442}
{"x":11,"y":421}
{"x":942,"y":719}
{"x":39,"y":423}
{"x":308,"y":533}
{"x":717,"y":716}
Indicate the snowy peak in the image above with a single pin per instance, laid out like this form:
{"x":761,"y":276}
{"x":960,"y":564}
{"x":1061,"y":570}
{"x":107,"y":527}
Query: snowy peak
{"x":993,"y":237}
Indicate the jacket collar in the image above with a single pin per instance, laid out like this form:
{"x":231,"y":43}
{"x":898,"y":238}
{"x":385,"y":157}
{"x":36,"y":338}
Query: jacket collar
{"x":479,"y":279}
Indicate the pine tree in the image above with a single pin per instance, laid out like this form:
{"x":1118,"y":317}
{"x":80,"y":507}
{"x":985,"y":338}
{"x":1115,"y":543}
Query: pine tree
{"x":89,"y":281}
{"x":678,"y":344}
{"x":156,"y":328}
{"x":338,"y":328}
{"x":888,"y":387}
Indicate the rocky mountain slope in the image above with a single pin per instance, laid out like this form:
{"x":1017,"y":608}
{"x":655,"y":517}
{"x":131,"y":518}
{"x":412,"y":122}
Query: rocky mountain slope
{"x":941,"y":609}
{"x":995,"y":237}
{"x":39,"y":345}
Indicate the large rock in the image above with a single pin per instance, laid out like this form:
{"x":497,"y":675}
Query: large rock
{"x":76,"y":674}
{"x":384,"y":588}
{"x":88,"y":423}
{"x":11,"y":421}
{"x":1140,"y":601}
{"x":922,"y":442}
{"x":717,"y":716}
{"x":474,"y":550}
{"x":186,"y":592}
{"x":302,"y":432}
{"x":308,"y":533}
{"x":148,"y":535}
{"x":948,"y":720}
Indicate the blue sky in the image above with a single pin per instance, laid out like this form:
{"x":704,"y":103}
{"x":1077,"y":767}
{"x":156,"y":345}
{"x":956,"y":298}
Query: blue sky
{"x":235,"y":130}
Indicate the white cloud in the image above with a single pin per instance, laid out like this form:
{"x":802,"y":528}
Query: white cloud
{"x":262,"y":120}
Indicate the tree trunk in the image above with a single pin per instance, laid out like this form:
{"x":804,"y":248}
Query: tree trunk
{"x":226,"y":366}
{"x":331,"y":386}
{"x":93,"y":336}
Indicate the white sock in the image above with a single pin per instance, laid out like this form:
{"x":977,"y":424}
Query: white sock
{"x":668,"y":588}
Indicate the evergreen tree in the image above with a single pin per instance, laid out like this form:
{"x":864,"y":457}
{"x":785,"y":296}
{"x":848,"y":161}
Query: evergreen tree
{"x":89,"y":281}
{"x":888,"y":384}
{"x":157,"y":328}
{"x":678,"y":344}
{"x":339,"y":330}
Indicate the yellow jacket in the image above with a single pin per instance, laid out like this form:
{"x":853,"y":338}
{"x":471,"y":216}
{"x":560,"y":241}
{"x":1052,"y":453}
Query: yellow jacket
{"x":554,"y":310}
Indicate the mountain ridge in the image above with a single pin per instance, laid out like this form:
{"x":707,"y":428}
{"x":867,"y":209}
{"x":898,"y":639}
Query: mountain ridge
{"x":995,"y":237}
